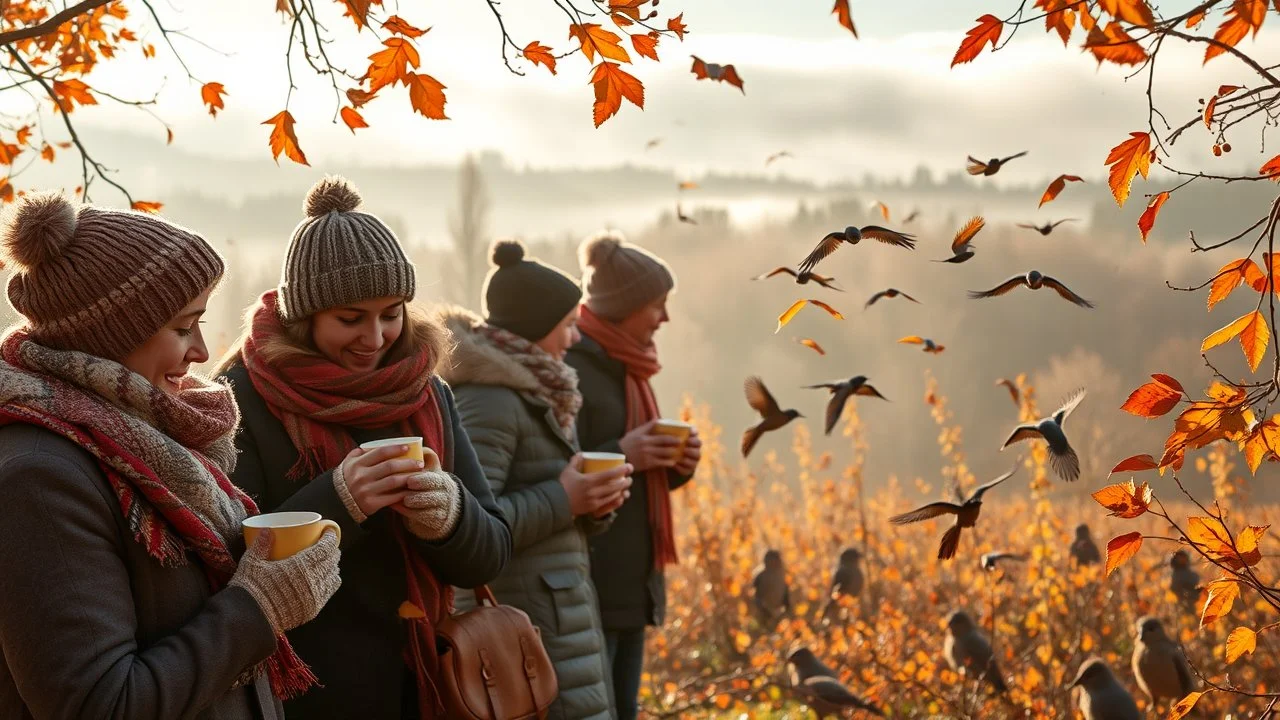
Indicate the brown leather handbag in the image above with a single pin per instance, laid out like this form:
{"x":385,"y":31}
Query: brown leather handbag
{"x":492,"y":663}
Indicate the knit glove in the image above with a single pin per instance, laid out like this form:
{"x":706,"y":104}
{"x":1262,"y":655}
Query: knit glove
{"x":435,"y":506}
{"x":290,"y":591}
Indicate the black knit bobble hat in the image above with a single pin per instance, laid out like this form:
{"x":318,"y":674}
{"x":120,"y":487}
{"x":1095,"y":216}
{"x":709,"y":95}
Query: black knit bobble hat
{"x":526,"y":297}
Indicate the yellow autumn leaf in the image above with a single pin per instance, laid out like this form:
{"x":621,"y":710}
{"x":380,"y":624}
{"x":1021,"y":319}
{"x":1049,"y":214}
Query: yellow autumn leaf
{"x":1241,"y":641}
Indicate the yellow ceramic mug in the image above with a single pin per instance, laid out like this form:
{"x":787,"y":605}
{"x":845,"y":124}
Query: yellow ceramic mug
{"x":292,"y":532}
{"x":675,"y":428}
{"x":597,"y":461}
{"x":417,"y":451}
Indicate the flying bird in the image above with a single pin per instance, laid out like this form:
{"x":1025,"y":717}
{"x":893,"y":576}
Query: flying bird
{"x":1083,"y":549}
{"x":1013,"y":390}
{"x":966,"y":514}
{"x":682,"y":217}
{"x":719,"y":73}
{"x":929,"y":345}
{"x":990,"y":561}
{"x":802,"y":278}
{"x":841,"y":391}
{"x":914,"y":214}
{"x":776,"y":156}
{"x":1159,"y":665}
{"x":962,"y":243}
{"x":1034,"y":280}
{"x":890,"y":293}
{"x":652,"y":144}
{"x":818,"y":686}
{"x":1062,"y":456}
{"x":990,"y":167}
{"x":854,"y":235}
{"x":966,"y":649}
{"x":772,"y":417}
{"x":1046,"y":228}
{"x":772,"y":597}
{"x":1183,"y":581}
{"x":1102,"y":696}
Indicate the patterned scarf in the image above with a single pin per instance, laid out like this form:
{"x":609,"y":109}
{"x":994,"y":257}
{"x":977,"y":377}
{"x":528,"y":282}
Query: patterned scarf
{"x":317,"y":400}
{"x":641,"y":362}
{"x":166,"y":457}
{"x":557,"y":382}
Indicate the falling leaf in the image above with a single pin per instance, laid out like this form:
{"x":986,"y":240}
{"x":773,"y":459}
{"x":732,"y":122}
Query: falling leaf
{"x":677,"y":26}
{"x":986,"y":31}
{"x":841,"y":11}
{"x":1231,"y":31}
{"x":147,"y":207}
{"x":358,"y":97}
{"x":390,"y":65}
{"x":1113,"y":44}
{"x":795,"y":308}
{"x":1230,"y":276}
{"x":426,"y":94}
{"x":540,"y":54}
{"x":396,"y":24}
{"x":612,"y":83}
{"x":1241,"y":641}
{"x":1136,"y":463}
{"x":1125,"y":500}
{"x":830,"y":310}
{"x":1127,"y":159}
{"x":595,"y":39}
{"x":1184,"y":706}
{"x":283,"y":139}
{"x":884,"y":210}
{"x":813,"y":344}
{"x":1152,"y":399}
{"x":1271,"y":169}
{"x":646,"y":45}
{"x":1057,"y":186}
{"x":1148,"y":219}
{"x":1121,"y":548}
{"x":1222,"y":596}
{"x":352,"y":119}
{"x":211,"y":94}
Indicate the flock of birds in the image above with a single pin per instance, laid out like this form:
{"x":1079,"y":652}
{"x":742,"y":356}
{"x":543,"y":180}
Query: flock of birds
{"x":1158,"y":663}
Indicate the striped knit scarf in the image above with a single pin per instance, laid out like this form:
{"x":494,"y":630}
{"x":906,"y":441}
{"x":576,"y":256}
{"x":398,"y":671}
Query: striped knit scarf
{"x":167,"y":457}
{"x":557,"y":382}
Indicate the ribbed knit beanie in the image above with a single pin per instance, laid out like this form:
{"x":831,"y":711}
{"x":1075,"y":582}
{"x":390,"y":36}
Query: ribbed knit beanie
{"x":621,"y":278}
{"x":100,"y":281}
{"x":526,"y":297}
{"x":339,"y":255}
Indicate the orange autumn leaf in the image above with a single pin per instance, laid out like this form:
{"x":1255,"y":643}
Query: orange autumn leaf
{"x":1222,"y":596}
{"x":1136,"y":463}
{"x":409,"y":611}
{"x":1152,"y":400}
{"x":147,"y":207}
{"x":283,"y":139}
{"x":884,"y":210}
{"x":211,"y":94}
{"x":813,"y":345}
{"x":1231,"y":31}
{"x":24,"y":134}
{"x":1121,"y":548}
{"x":397,"y":25}
{"x":595,"y":39}
{"x":1057,"y":186}
{"x":353,"y":119}
{"x":391,"y":65}
{"x":1271,"y":169}
{"x":46,"y":152}
{"x":1059,"y":16}
{"x":841,"y":11}
{"x":426,"y":94}
{"x":797,"y":306}
{"x":677,"y":26}
{"x":646,"y":45}
{"x":1254,"y":338}
{"x":1230,"y":276}
{"x":358,"y":97}
{"x":1186,"y":704}
{"x":70,"y":92}
{"x":1263,"y":442}
{"x":629,"y":10}
{"x":357,"y":10}
{"x":1168,"y":380}
{"x":539,"y":54}
{"x":830,"y":310}
{"x":1124,"y":500}
{"x":1127,"y":159}
{"x":6,"y":190}
{"x":1209,"y":533}
{"x":1135,"y":12}
{"x":1148,"y":218}
{"x":1113,"y":44}
{"x":1254,"y":12}
{"x":1196,"y":18}
{"x":986,"y":31}
{"x":612,"y":84}
{"x":1241,"y":641}
{"x":8,"y":153}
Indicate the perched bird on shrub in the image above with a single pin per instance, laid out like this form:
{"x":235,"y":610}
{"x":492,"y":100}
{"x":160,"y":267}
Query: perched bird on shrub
{"x":1183,"y":581}
{"x":966,"y":649}
{"x":847,"y":579}
{"x":819,"y":687}
{"x":841,"y":391}
{"x":772,"y":417}
{"x":1063,"y":458}
{"x":771,"y":595}
{"x":1102,"y":697}
{"x":1159,"y":665}
{"x":1083,"y":549}
{"x":966,"y":514}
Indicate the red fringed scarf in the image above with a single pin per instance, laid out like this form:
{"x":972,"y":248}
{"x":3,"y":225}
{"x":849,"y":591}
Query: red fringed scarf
{"x":159,"y":452}
{"x":317,"y":400}
{"x":642,"y":363}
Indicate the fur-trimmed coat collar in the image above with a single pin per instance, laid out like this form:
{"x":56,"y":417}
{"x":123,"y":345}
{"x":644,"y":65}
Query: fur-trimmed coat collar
{"x":474,"y":358}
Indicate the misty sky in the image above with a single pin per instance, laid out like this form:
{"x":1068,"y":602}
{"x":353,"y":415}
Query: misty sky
{"x":884,"y":104}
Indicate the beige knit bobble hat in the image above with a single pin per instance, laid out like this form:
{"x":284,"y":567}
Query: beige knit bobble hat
{"x":620,"y":278}
{"x":340,"y":255}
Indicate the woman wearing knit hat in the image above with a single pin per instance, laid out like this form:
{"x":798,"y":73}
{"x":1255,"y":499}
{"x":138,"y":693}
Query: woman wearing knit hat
{"x":127,"y":587}
{"x":518,"y":401}
{"x":333,"y":358}
{"x":626,"y":303}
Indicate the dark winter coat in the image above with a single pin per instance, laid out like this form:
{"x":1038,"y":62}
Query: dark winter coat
{"x":91,"y":626}
{"x":523,"y":450}
{"x":355,"y":645}
{"x":632,"y":592}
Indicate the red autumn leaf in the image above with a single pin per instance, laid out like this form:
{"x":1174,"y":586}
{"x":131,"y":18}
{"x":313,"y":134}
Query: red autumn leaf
{"x":357,"y":10}
{"x":211,"y":94}
{"x":1121,"y":548}
{"x":391,"y":65}
{"x":147,"y":207}
{"x":6,"y":190}
{"x":397,"y":25}
{"x":539,"y":54}
{"x":1127,"y":159}
{"x":677,"y":26}
{"x":986,"y":31}
{"x":426,"y":94}
{"x":1137,"y":463}
{"x":24,"y":134}
{"x":1271,"y":169}
{"x":1148,"y":218}
{"x":1152,"y":400}
{"x":283,"y":139}
{"x":352,"y":119}
{"x":841,"y":11}
{"x":1057,"y":186}
{"x":358,"y":97}
{"x":612,"y":84}
{"x":646,"y":45}
{"x":1168,"y":380}
{"x":8,"y":153}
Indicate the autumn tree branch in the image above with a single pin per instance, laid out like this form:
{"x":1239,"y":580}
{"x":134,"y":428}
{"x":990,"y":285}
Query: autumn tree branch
{"x":52,"y":24}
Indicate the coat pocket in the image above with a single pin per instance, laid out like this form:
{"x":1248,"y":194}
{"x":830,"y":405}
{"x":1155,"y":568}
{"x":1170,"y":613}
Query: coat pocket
{"x":571,"y":601}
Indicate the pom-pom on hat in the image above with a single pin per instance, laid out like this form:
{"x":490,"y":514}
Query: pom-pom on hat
{"x":100,"y":281}
{"x":621,"y":278}
{"x":525,"y":296}
{"x":340,"y":255}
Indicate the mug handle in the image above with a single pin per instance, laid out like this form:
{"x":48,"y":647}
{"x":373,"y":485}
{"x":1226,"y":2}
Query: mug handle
{"x":330,"y":524}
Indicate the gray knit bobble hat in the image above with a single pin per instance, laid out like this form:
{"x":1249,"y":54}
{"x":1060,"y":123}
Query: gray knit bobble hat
{"x":620,"y":278}
{"x":339,"y":255}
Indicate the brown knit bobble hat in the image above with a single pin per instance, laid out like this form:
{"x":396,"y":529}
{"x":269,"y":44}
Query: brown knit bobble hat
{"x":100,"y":281}
{"x":620,"y":278}
{"x":339,"y":255}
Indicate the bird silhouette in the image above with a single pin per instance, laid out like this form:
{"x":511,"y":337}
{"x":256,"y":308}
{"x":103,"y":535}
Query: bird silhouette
{"x":966,"y":514}
{"x":1102,"y":697}
{"x":819,"y":687}
{"x":991,"y":561}
{"x":1047,"y":227}
{"x":776,"y":156}
{"x":841,"y":391}
{"x":966,"y":649}
{"x":682,"y":217}
{"x":853,"y":235}
{"x":1083,"y":549}
{"x":962,"y":243}
{"x":655,"y":142}
{"x":1013,"y":390}
{"x":1062,"y":456}
{"x":1158,"y":663}
{"x":771,"y":595}
{"x":990,"y":167}
{"x":1035,"y":280}
{"x":1183,"y":581}
{"x":890,"y":293}
{"x":848,"y":579}
{"x":912,"y":216}
{"x":772,"y":417}
{"x":802,"y":278}
{"x":929,"y":345}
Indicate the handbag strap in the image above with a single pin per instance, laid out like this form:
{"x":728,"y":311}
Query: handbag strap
{"x":484,"y":593}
